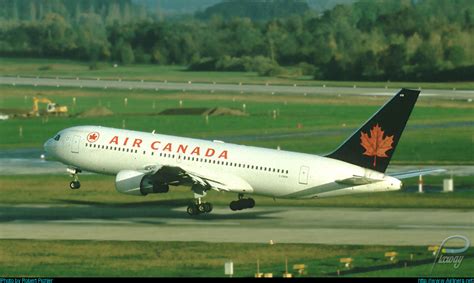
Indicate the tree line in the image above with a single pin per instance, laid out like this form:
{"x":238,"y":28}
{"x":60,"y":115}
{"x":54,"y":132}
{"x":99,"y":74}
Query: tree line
{"x":368,"y":40}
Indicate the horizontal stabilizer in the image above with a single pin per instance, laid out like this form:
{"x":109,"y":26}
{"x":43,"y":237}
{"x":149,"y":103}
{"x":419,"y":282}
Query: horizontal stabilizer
{"x":357,"y":180}
{"x":414,"y":173}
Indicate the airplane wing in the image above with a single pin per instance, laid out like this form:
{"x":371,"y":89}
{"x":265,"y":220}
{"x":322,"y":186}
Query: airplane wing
{"x":414,"y":173}
{"x":176,"y":175}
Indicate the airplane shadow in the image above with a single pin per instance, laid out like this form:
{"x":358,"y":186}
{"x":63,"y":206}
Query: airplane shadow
{"x":155,"y":212}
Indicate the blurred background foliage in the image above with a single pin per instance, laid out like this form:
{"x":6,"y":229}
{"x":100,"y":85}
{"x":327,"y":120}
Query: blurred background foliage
{"x":424,"y":40}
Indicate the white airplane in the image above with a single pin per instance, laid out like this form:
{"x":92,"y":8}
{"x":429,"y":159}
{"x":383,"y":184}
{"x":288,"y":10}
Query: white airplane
{"x":146,"y":163}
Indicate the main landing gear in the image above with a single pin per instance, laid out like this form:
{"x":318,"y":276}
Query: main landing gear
{"x":242,"y":203}
{"x":199,"y":207}
{"x":75,"y":184}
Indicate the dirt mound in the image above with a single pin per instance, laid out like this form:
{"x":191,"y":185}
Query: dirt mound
{"x":220,"y":111}
{"x":216,"y":111}
{"x":99,"y":111}
{"x":183,"y":111}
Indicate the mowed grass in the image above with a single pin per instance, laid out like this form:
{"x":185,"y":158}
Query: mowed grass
{"x":442,"y":130}
{"x":69,"y":68}
{"x":99,"y":190}
{"x":196,"y":259}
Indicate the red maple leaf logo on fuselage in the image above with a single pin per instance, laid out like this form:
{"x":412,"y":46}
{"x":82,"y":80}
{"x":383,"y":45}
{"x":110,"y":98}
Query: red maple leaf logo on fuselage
{"x":376,"y":145}
{"x":92,"y":137}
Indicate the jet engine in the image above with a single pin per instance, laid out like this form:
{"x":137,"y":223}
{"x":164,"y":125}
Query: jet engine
{"x":132,"y":182}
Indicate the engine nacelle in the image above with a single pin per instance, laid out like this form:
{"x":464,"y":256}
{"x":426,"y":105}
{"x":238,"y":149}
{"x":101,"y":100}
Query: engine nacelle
{"x":132,"y":182}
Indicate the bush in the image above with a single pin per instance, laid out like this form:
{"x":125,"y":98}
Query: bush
{"x":203,"y":64}
{"x":93,"y":66}
{"x":307,"y":69}
{"x":262,"y":65}
{"x":318,"y":74}
{"x":141,"y":56}
{"x":126,"y":54}
{"x":272,"y":71}
{"x":45,"y":68}
{"x":230,"y":64}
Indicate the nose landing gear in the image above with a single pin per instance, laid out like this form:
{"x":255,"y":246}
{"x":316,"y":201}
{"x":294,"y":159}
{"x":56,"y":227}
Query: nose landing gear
{"x":75,"y":184}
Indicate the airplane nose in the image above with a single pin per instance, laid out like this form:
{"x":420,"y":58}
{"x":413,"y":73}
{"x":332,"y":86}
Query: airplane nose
{"x":47,"y":146}
{"x":50,"y":150}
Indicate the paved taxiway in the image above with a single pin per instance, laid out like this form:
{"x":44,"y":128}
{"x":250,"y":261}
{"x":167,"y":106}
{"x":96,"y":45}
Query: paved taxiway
{"x":160,"y":222}
{"x":245,"y":88}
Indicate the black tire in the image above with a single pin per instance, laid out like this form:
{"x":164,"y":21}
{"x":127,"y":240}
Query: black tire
{"x":251,"y":203}
{"x":234,"y":205}
{"x":207,"y":207}
{"x":244,"y":203}
{"x":201,"y":207}
{"x":75,"y":185}
{"x":192,"y":210}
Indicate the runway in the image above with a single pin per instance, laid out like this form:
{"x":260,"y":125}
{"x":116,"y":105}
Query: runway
{"x":244,"y":88}
{"x":159,"y":222}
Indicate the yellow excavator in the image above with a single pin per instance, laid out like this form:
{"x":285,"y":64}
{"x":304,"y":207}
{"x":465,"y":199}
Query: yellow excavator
{"x":51,"y":108}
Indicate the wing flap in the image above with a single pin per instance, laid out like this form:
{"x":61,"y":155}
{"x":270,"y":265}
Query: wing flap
{"x":185,"y":175}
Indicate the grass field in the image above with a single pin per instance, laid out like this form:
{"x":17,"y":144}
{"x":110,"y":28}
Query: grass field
{"x":442,"y":130}
{"x":68,"y":68}
{"x":100,"y":190}
{"x":195,"y":259}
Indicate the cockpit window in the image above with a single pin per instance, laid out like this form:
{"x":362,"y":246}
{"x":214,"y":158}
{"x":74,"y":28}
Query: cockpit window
{"x":56,"y":138}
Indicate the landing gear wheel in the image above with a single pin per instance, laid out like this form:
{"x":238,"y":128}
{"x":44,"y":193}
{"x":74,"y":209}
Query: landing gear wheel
{"x":75,"y":185}
{"x":192,"y":210}
{"x":242,"y":203}
{"x":201,"y":207}
{"x":251,"y":203}
{"x":207,"y":207}
{"x":235,"y":205}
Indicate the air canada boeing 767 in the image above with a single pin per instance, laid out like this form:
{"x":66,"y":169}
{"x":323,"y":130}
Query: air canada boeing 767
{"x":147,"y":163}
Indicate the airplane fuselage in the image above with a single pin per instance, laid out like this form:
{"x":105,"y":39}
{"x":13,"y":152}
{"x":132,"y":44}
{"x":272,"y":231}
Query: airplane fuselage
{"x":245,"y":169}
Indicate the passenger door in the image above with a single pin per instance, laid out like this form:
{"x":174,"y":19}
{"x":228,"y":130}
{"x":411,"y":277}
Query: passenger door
{"x":75,"y":144}
{"x":304,"y":172}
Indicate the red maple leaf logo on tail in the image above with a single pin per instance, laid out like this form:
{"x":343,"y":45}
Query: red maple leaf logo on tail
{"x":376,"y":145}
